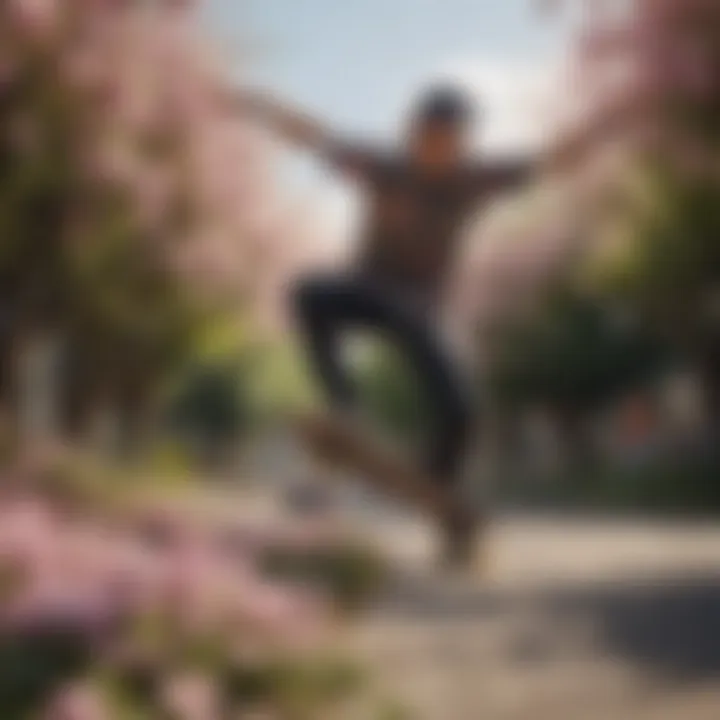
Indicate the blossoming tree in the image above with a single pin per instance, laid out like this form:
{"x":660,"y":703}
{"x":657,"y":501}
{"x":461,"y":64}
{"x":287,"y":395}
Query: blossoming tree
{"x":131,"y":202}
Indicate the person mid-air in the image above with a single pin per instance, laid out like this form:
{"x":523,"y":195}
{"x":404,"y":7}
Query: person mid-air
{"x":418,"y":199}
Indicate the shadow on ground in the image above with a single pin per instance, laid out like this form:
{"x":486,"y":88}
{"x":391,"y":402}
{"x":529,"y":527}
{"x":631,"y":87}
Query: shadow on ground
{"x":667,"y":625}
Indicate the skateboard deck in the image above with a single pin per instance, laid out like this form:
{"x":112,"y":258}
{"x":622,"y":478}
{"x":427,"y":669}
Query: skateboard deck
{"x":337,"y":443}
{"x":345,"y":447}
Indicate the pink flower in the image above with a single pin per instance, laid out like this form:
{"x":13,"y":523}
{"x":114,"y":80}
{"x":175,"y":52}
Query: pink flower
{"x":88,"y":610}
{"x":37,"y":18}
{"x":78,"y":702}
{"x":191,"y":697}
{"x":27,"y":535}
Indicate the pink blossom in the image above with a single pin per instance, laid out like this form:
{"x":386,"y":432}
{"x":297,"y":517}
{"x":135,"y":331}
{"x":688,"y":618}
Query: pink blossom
{"x":78,"y":702}
{"x":91,"y":577}
{"x":191,"y":697}
{"x":27,"y":534}
{"x":37,"y":18}
{"x":91,"y":611}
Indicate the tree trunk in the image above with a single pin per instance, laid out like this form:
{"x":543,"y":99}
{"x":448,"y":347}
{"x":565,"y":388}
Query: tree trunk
{"x":8,"y":393}
{"x":136,"y":412}
{"x":710,"y":375}
{"x":82,"y":396}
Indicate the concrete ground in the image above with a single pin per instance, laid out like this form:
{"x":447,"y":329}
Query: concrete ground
{"x":571,"y":620}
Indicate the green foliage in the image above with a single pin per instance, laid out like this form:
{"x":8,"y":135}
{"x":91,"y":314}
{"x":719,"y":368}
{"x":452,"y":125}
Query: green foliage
{"x":299,"y":690}
{"x":679,"y":485}
{"x":278,"y":379}
{"x":393,"y":711}
{"x":392,"y":393}
{"x":74,"y":256}
{"x":664,"y":259}
{"x":78,"y":482}
{"x":574,"y":354}
{"x":36,"y":664}
{"x":38,"y":181}
{"x":294,"y":686}
{"x":124,"y":294}
{"x":353,"y":574}
{"x":684,"y":484}
{"x":211,"y":407}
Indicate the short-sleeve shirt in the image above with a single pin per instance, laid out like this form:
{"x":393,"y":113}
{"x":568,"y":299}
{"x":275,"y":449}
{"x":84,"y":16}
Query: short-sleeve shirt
{"x":413,"y":219}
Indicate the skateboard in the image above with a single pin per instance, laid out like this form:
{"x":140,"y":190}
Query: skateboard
{"x":347,"y":447}
{"x":344,"y":446}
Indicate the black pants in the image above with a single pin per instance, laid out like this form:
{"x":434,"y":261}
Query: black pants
{"x":328,"y":305}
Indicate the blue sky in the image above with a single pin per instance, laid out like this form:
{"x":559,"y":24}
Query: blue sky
{"x":357,"y":63}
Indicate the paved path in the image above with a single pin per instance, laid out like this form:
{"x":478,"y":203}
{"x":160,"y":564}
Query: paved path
{"x":575,"y":620}
{"x":580,"y":619}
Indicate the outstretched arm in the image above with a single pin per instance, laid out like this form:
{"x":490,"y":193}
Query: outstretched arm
{"x":300,"y":129}
{"x":293,"y":125}
{"x":503,"y":175}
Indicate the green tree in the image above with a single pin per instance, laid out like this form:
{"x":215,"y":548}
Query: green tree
{"x":211,"y":409}
{"x":664,"y":263}
{"x":102,"y":201}
{"x":573,"y":357}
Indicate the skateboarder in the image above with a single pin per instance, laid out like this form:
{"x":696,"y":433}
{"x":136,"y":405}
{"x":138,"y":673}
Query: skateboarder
{"x":418,"y":197}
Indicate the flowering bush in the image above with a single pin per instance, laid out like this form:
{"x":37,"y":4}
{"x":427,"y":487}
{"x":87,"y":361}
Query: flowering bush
{"x":78,"y":594}
{"x":116,"y":600}
{"x":146,"y":607}
{"x":311,"y":553}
